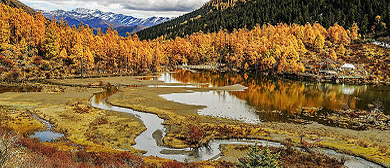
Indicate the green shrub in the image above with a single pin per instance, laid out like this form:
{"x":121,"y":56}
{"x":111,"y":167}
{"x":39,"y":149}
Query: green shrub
{"x":258,"y":157}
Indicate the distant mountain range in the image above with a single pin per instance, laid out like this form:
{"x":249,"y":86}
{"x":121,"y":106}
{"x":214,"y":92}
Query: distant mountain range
{"x":94,"y":18}
{"x":98,"y":19}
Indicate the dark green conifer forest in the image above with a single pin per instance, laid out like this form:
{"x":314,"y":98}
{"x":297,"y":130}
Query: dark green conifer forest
{"x":211,"y":18}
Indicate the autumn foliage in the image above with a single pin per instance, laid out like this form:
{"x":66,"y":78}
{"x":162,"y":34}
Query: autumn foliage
{"x":57,"y":158}
{"x":33,"y":47}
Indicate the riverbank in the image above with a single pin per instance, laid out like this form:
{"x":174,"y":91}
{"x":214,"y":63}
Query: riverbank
{"x":288,"y":156}
{"x":370,"y":67}
{"x":211,"y":151}
{"x":70,"y":114}
{"x":371,"y":144}
{"x":350,"y":119}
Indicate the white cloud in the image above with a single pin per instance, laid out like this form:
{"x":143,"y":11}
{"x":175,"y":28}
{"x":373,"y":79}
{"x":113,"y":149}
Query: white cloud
{"x":138,"y":8}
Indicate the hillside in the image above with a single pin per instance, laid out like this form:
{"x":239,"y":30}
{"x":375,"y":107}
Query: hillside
{"x":234,"y":14}
{"x":39,"y":48}
{"x":123,"y":30}
{"x":223,"y":4}
{"x":55,"y":79}
{"x":18,"y":4}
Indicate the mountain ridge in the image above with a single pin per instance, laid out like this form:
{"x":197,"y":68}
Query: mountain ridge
{"x":223,"y":4}
{"x":235,"y":14}
{"x":103,"y":20}
{"x":83,"y":14}
{"x":20,"y":5}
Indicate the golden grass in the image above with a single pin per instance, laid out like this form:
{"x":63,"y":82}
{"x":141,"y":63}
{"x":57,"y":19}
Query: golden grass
{"x":232,"y":153}
{"x":100,"y":130}
{"x":155,"y":160}
{"x":179,"y":120}
{"x":64,"y":146}
{"x":62,"y":110}
{"x":19,"y":120}
{"x":369,"y":152}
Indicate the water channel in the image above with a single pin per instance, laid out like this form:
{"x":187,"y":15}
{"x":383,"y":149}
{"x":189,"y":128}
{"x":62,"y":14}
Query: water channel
{"x":273,"y":93}
{"x":149,"y":142}
{"x":46,"y":135}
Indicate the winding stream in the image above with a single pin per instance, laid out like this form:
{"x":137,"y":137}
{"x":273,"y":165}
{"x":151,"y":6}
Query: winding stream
{"x":150,"y":139}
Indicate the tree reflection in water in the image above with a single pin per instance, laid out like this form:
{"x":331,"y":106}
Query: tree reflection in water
{"x":267,"y":94}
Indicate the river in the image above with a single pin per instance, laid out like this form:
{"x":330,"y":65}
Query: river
{"x":149,"y":142}
{"x":261,"y":94}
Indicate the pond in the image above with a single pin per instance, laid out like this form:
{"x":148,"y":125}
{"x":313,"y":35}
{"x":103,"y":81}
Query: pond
{"x":48,"y":135}
{"x":265,"y":95}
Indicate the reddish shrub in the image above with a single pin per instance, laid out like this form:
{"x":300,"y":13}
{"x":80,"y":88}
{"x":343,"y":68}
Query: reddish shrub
{"x":9,"y":63}
{"x":37,"y":146}
{"x":2,"y":58}
{"x":122,"y":159}
{"x":46,"y":156}
{"x":173,"y":164}
{"x":61,"y":156}
{"x":83,"y":156}
{"x":195,"y":135}
{"x":103,"y":158}
{"x":85,"y":165}
{"x":37,"y":60}
{"x":129,"y":159}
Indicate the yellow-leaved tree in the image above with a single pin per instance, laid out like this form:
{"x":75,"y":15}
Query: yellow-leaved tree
{"x":341,"y":50}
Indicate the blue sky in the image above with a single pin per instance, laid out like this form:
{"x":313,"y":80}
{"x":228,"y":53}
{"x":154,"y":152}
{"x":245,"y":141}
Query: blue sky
{"x":137,"y":8}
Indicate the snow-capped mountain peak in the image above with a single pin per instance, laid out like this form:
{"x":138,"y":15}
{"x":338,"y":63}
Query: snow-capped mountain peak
{"x":84,"y":14}
{"x":99,"y":19}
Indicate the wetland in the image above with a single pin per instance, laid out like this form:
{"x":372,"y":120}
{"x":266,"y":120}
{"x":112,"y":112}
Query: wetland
{"x":169,"y":115}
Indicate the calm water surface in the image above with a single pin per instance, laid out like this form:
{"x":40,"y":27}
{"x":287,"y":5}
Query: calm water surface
{"x":148,"y":142}
{"x":48,"y":135}
{"x":264,"y":95}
